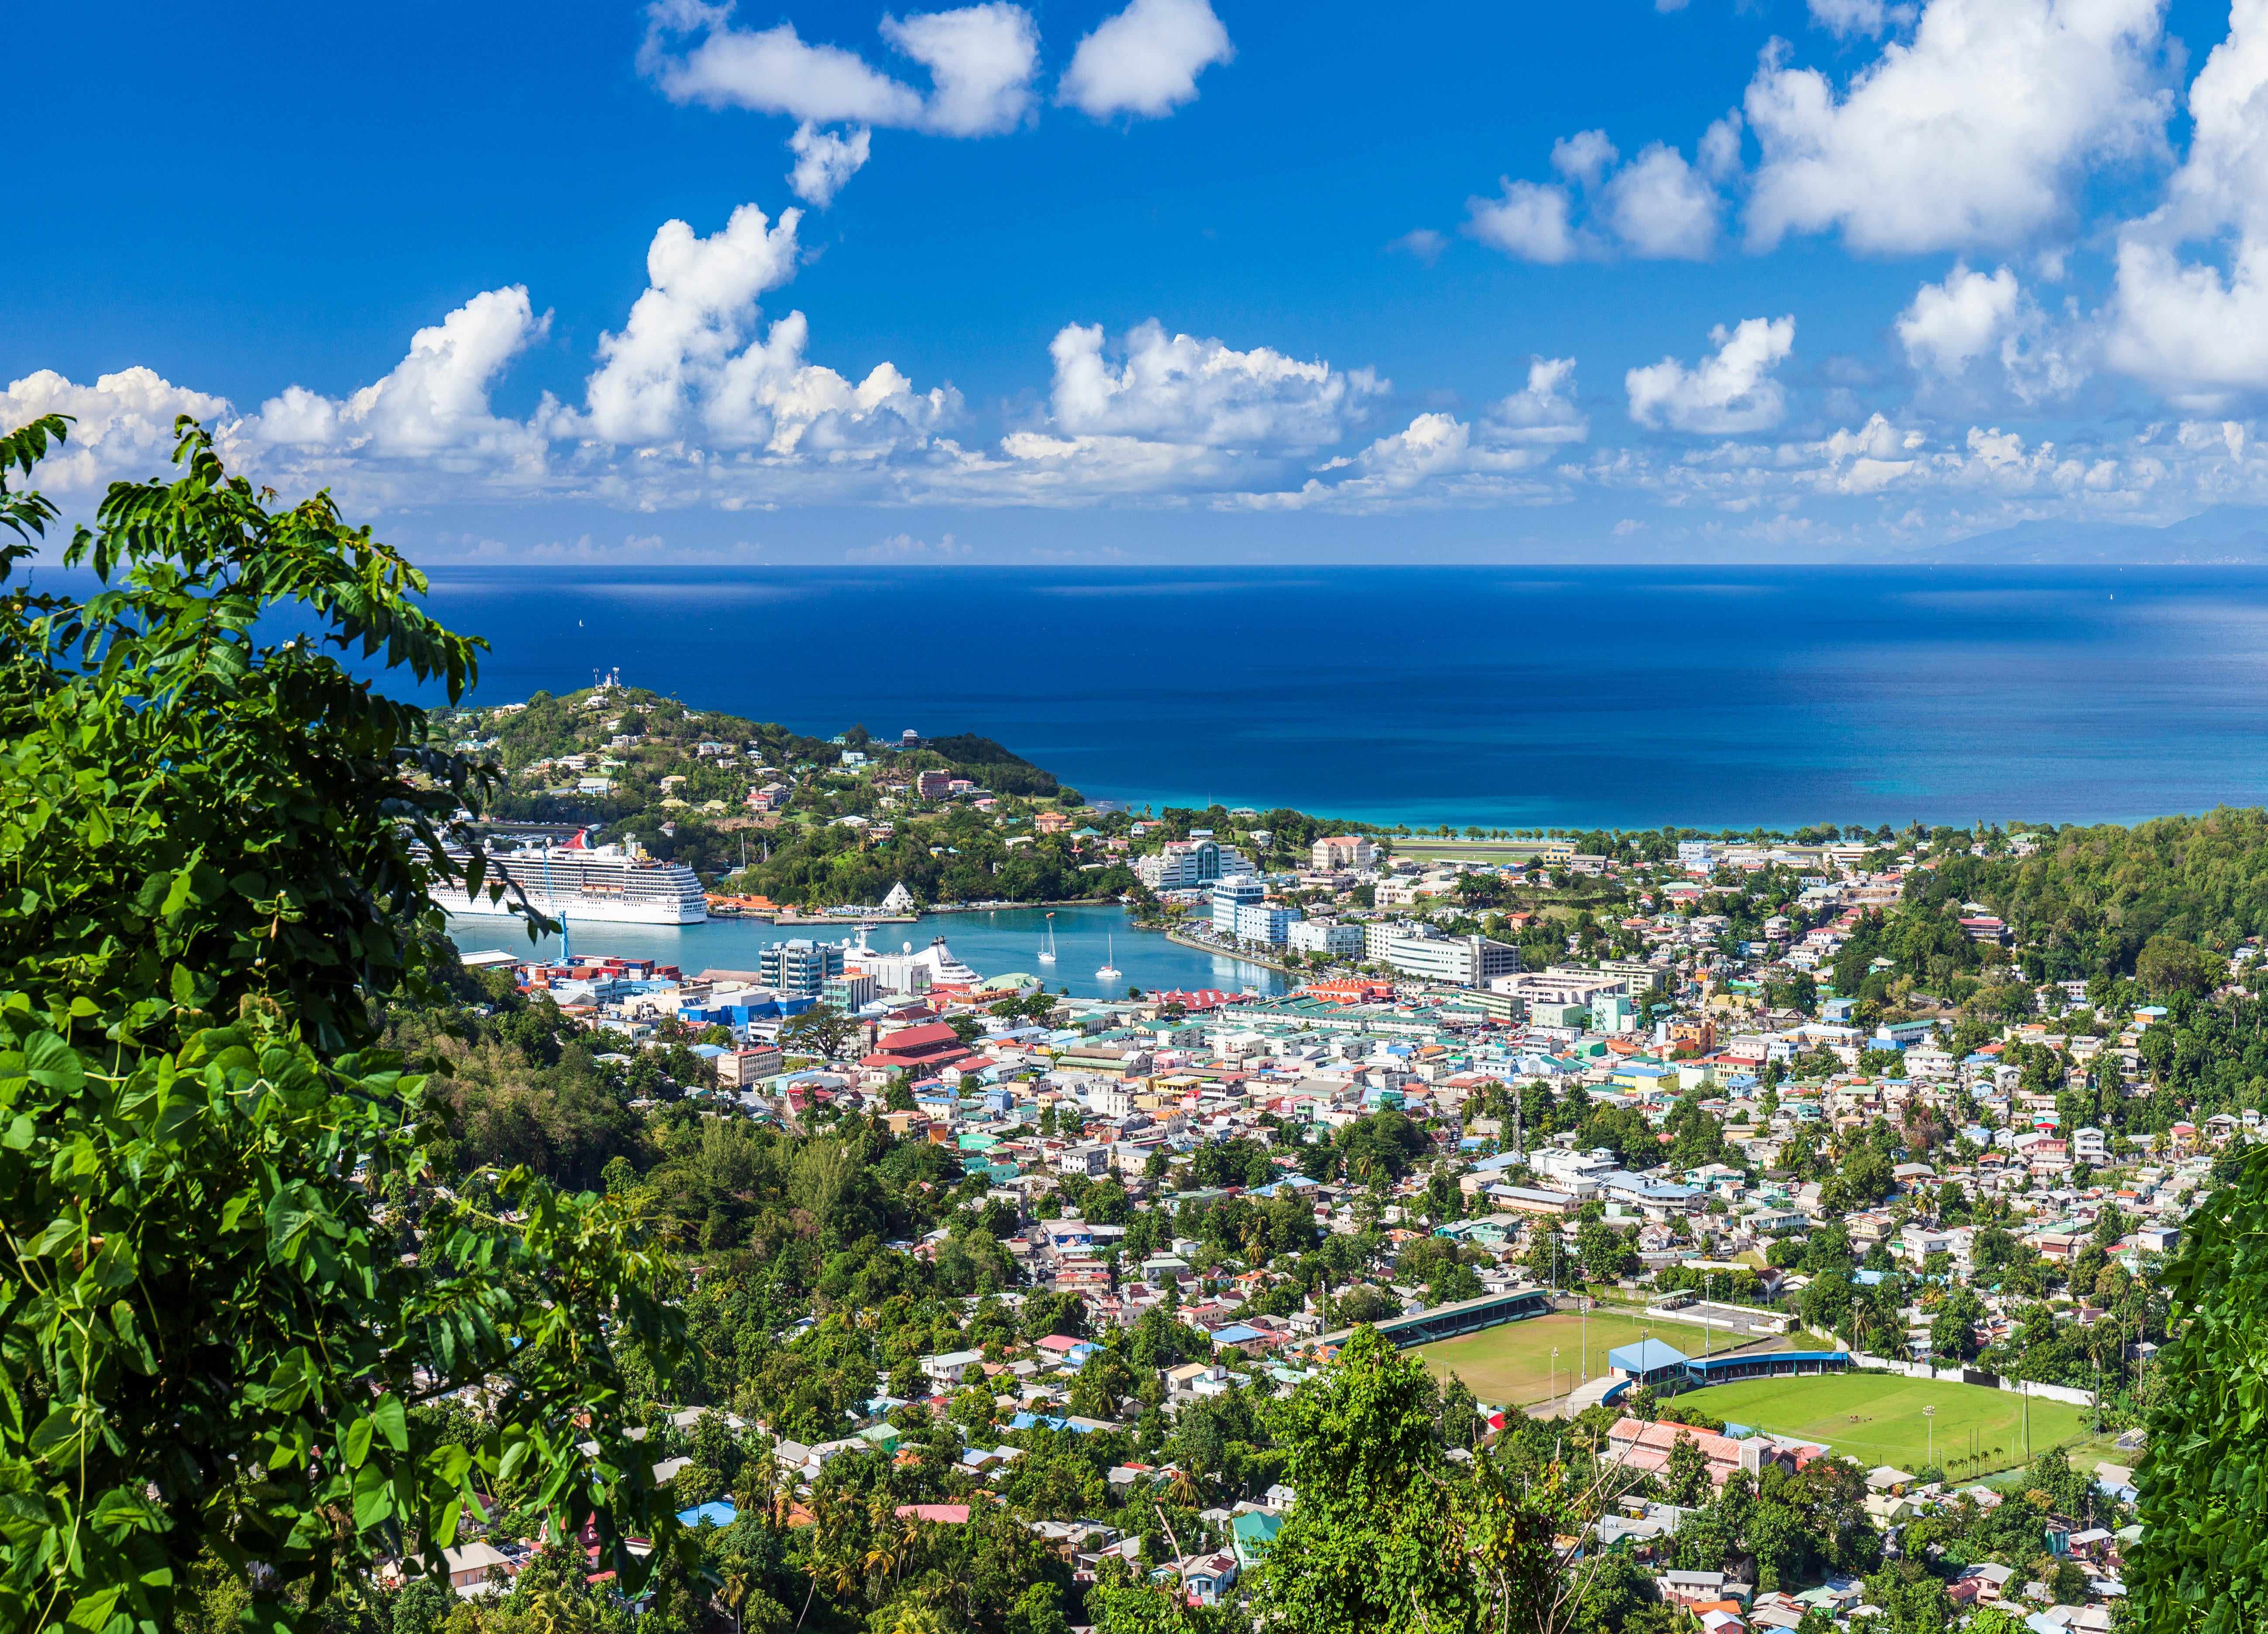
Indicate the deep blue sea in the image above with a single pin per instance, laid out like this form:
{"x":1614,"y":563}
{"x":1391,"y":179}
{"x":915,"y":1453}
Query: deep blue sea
{"x":1511,"y":697}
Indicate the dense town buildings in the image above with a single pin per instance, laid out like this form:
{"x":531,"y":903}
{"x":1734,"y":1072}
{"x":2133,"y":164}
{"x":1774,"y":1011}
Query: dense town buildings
{"x":1670,"y":1121}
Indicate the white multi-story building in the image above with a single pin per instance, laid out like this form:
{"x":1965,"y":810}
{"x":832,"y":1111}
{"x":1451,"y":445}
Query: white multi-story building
{"x":1229,"y":896}
{"x":1342,"y":850}
{"x":1376,"y":933}
{"x":1185,"y":865}
{"x":2088,"y":1146}
{"x":1459,"y":960}
{"x":1327,"y":936}
{"x":1559,"y":986}
{"x":1269,"y":923}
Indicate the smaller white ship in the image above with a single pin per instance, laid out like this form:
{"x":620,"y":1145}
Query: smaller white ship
{"x":1048,"y":950}
{"x":1110,"y":972}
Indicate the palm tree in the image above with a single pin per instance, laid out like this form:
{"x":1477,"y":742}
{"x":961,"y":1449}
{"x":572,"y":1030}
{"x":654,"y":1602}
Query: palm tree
{"x":733,"y":1591}
{"x":749,"y":1604}
{"x":892,"y":1538}
{"x":1186,"y":1487}
{"x":762,"y":1491}
{"x":557,"y":1612}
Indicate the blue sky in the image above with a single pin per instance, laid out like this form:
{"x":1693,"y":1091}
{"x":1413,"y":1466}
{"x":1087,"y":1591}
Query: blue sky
{"x":1162,"y":280}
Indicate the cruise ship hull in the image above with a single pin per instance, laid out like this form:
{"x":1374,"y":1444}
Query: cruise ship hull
{"x":606,"y":886}
{"x":580,"y":909}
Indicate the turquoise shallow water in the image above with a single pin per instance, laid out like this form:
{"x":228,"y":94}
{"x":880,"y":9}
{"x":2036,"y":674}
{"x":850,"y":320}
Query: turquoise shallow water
{"x":991,"y":944}
{"x":1504,"y":696}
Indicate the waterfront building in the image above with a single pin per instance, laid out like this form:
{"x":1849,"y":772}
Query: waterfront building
{"x":1269,"y":923}
{"x":1186,"y":864}
{"x":802,"y":967}
{"x":1327,"y":937}
{"x":1229,"y":896}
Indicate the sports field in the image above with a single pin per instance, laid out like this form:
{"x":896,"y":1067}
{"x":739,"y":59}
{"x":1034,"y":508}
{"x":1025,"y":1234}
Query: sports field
{"x":1510,"y":1365}
{"x":1876,"y":1418}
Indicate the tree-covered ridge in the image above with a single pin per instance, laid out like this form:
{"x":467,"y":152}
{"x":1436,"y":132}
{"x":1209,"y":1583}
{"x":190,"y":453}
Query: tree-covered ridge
{"x":2090,"y":899}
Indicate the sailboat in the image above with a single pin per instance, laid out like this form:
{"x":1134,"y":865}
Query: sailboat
{"x":1109,"y":971}
{"x":1048,"y":952}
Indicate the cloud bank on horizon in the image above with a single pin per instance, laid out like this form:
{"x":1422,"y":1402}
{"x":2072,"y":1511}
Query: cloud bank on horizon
{"x":2085,"y":333}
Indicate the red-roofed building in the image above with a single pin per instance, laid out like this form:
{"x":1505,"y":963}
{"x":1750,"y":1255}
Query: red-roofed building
{"x":919,"y":1049}
{"x":1642,"y":1445}
{"x":935,"y":1514}
{"x":1203,"y":998}
{"x":1350,"y":990}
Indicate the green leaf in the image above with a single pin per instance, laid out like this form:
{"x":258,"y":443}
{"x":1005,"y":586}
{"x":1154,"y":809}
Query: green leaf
{"x":49,"y":1062}
{"x":373,"y":1496}
{"x":135,"y":1348}
{"x":356,"y":1445}
{"x":57,"y":1429}
{"x":392,"y":1422}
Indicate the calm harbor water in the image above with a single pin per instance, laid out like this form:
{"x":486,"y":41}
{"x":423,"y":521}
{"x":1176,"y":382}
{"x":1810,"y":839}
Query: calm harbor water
{"x":1505,"y":696}
{"x":992,"y":944}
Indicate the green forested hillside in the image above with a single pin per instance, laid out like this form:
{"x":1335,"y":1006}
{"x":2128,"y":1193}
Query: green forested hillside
{"x":2091,"y":898}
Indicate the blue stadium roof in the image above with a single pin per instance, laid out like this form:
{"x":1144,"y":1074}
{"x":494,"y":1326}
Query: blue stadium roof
{"x":1646,"y":1357}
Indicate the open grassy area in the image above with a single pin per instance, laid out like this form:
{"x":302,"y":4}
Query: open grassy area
{"x":1876,"y":1418}
{"x":1510,"y":1365}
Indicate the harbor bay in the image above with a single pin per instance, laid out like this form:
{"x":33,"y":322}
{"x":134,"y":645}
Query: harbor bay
{"x":995,"y":942}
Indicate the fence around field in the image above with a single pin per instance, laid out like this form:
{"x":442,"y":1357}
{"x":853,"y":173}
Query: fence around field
{"x":1970,"y":1375}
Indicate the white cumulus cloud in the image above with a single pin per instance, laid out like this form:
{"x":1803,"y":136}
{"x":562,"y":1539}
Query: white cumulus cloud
{"x":2195,"y":331}
{"x":1845,"y":18}
{"x":1179,"y":389}
{"x":1661,"y":208}
{"x":699,"y":304}
{"x":1730,"y":391}
{"x":771,"y":70}
{"x":981,"y":60}
{"x":679,"y":371}
{"x":824,"y":161}
{"x":1978,"y":132}
{"x":1657,"y":206}
{"x":1145,"y":60}
{"x":1542,"y":415}
{"x":434,"y":401}
{"x":123,"y":425}
{"x":1530,"y":221}
{"x":1584,"y":157}
{"x":1951,"y":324}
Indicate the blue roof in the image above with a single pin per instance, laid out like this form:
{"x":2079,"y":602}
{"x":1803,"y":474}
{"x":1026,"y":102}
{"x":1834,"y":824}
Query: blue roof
{"x":1645,"y":1356}
{"x":715,"y":1512}
{"x":1237,"y":1332}
{"x":1025,"y":1421}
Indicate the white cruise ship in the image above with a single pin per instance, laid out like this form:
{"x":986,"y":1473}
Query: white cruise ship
{"x":586,"y":885}
{"x":907,"y":971}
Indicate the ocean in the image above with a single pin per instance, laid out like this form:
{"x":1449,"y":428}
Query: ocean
{"x":993,"y":943}
{"x":1502,"y":696}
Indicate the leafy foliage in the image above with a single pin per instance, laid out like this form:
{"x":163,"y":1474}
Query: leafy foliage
{"x":229,"y":1287}
{"x":2203,"y":1563}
